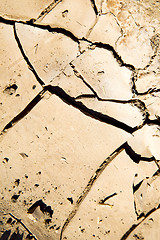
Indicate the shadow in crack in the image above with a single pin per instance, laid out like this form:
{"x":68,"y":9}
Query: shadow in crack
{"x":6,"y":235}
{"x":15,"y":235}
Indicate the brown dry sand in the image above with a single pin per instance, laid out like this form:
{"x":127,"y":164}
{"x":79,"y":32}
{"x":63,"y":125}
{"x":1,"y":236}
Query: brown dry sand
{"x":80,"y":120}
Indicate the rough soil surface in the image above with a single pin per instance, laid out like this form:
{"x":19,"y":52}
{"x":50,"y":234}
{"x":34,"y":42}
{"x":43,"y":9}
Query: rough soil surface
{"x":80,"y":119}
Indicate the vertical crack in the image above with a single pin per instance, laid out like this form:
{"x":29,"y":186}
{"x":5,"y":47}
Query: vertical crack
{"x":91,"y":28}
{"x":94,"y":7}
{"x":26,"y":58}
{"x":86,"y":190}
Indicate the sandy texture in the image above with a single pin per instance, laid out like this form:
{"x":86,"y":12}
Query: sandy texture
{"x":80,"y":120}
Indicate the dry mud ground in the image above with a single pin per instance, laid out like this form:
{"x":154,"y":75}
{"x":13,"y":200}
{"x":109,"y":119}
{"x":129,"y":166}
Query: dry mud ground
{"x":80,"y":119}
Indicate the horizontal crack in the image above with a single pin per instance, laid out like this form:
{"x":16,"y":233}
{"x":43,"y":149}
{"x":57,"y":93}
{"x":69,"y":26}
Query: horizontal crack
{"x":55,"y":29}
{"x":40,"y":26}
{"x":153,"y":121}
{"x":87,"y":111}
{"x":131,"y":101}
{"x":73,"y":37}
{"x":76,"y":104}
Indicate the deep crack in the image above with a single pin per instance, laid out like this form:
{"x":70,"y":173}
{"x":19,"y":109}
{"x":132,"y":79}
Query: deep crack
{"x":26,"y":58}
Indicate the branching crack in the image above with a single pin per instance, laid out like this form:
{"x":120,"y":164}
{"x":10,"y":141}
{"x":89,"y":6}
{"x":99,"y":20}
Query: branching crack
{"x":135,"y":102}
{"x":135,"y":156}
{"x":76,"y":104}
{"x":74,"y":38}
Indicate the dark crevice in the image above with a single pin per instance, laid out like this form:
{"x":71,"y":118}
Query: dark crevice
{"x":85,"y":96}
{"x":140,"y":216}
{"x":70,"y":101}
{"x":26,"y":58}
{"x":106,"y":198}
{"x":135,"y":208}
{"x":74,"y":38}
{"x":137,"y":186}
{"x":7,"y":21}
{"x":24,"y":112}
{"x":94,"y":7}
{"x":134,"y":226}
{"x":154,"y":121}
{"x":43,"y":27}
{"x":135,"y":156}
{"x":135,"y":102}
{"x":115,"y":54}
{"x":157,"y":173}
{"x":149,"y":91}
{"x":16,"y":236}
{"x":55,"y":30}
{"x":87,"y":111}
{"x":133,"y":82}
{"x":134,"y":78}
{"x":86,"y":190}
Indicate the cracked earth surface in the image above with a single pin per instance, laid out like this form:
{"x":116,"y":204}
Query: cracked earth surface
{"x":80,"y":119}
